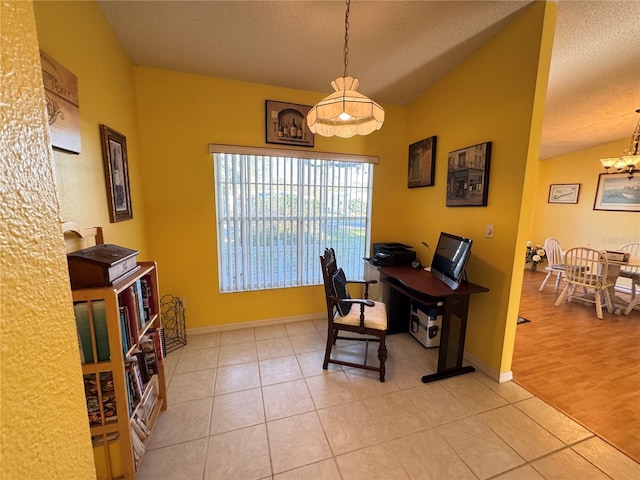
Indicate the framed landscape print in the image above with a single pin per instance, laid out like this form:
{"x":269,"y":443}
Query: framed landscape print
{"x":618,"y":192}
{"x":116,"y":170}
{"x":563,"y":193}
{"x":286,"y":124}
{"x":468,"y":176}
{"x":422,"y":163}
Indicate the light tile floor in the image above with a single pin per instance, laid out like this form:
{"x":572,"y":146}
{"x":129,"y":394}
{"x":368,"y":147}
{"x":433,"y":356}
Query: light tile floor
{"x":256,"y":404}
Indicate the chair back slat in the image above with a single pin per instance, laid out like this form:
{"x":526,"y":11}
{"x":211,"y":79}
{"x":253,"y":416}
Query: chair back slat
{"x":586,"y":266}
{"x":634,"y":251}
{"x":555,"y":255}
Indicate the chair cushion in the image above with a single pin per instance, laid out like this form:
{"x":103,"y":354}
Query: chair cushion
{"x":374,"y":317}
{"x":339,"y":289}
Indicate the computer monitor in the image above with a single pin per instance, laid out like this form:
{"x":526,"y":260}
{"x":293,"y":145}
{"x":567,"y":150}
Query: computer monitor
{"x":450,"y":259}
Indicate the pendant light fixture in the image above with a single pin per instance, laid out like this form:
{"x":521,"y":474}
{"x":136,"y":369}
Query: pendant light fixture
{"x":629,"y":162}
{"x":345,"y":112}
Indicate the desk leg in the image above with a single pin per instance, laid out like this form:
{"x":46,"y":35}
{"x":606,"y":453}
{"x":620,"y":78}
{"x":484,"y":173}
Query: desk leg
{"x":454,"y":329}
{"x":451,"y":373}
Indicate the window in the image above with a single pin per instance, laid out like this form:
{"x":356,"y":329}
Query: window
{"x":277,"y":210}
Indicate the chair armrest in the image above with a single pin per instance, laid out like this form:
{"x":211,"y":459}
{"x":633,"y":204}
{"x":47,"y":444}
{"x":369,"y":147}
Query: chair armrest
{"x":363,"y":282}
{"x":353,"y":301}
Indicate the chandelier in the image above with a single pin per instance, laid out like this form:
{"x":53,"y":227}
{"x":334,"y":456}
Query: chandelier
{"x":345,"y":112}
{"x":630,"y":160}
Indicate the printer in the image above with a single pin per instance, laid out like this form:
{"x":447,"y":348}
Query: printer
{"x":389,"y":254}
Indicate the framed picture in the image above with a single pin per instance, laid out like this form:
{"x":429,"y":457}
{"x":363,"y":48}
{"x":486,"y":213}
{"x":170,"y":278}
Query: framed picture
{"x":63,"y":111}
{"x":618,"y":192}
{"x":116,"y":170}
{"x":422,"y":163}
{"x":468,"y":176}
{"x":563,"y":193}
{"x":286,"y":124}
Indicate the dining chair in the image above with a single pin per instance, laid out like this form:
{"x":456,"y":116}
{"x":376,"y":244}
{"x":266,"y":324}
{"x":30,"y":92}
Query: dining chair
{"x":587,"y":268}
{"x":363,"y":317}
{"x":555,"y":261}
{"x":632,"y":273}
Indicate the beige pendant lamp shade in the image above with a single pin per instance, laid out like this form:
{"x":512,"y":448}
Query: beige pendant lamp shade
{"x":345,"y":112}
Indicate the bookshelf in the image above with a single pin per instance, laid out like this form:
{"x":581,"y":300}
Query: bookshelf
{"x":120,"y":343}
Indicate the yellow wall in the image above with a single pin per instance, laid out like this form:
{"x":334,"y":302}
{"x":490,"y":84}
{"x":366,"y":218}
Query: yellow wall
{"x":492,"y":96}
{"x":43,"y":420}
{"x":180,"y":115}
{"x":77,"y":35}
{"x":588,"y":227}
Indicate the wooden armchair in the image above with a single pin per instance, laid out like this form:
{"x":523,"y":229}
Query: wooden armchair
{"x":587,"y":268}
{"x":363,"y":317}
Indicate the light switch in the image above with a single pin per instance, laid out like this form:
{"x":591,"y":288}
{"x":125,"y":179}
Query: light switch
{"x":488,"y":231}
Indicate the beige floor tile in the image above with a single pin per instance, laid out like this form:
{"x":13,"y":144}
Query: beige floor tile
{"x":472,"y":393}
{"x":237,"y":377}
{"x":525,"y":472}
{"x":270,"y":331}
{"x":556,"y":422}
{"x":181,"y":422}
{"x":307,"y":342}
{"x":203,"y":340}
{"x":184,"y":461}
{"x":608,"y":459}
{"x":331,"y":389}
{"x":324,"y":470}
{"x":567,"y":465}
{"x":426,"y":456}
{"x":396,"y":415}
{"x":349,"y":427}
{"x":286,"y":399}
{"x":366,"y":383}
{"x":232,"y":411}
{"x":297,"y":441}
{"x":198,"y":359}
{"x":373,"y":463}
{"x":482,"y":451}
{"x":237,"y":353}
{"x":170,"y":362}
{"x":436,"y":404}
{"x":243,"y":335}
{"x":321,"y":325}
{"x":525,"y":436}
{"x":407,"y":372}
{"x":510,"y":391}
{"x":191,"y":386}
{"x":274,"y":347}
{"x":238,"y":455}
{"x":277,"y":370}
{"x":403,"y":344}
{"x":311,"y":364}
{"x":300,"y":328}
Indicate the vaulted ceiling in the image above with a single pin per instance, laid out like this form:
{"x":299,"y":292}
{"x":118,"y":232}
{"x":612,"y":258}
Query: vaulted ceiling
{"x":397,"y":49}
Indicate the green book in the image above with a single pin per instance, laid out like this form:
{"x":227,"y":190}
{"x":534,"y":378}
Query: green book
{"x":102,"y":334}
{"x":84,"y":331}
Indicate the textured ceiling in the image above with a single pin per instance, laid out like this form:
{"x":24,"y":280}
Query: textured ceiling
{"x":397,"y":49}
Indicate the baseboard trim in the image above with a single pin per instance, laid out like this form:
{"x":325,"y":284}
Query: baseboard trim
{"x":499,"y":377}
{"x":256,"y":323}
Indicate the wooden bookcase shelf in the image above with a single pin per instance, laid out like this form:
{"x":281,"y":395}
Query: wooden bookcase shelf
{"x":122,"y":365}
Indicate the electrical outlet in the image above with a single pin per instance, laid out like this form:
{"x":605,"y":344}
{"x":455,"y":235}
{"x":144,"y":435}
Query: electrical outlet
{"x":488,"y":231}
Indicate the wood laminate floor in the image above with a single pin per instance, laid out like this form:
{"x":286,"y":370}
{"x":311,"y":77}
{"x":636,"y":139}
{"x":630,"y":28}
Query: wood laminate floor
{"x":585,"y":367}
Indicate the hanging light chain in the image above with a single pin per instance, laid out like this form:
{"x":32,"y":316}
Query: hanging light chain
{"x":346,"y":38}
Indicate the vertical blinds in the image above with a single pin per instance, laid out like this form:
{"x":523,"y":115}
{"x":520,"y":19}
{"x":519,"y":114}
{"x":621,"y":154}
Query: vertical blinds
{"x":277,"y":214}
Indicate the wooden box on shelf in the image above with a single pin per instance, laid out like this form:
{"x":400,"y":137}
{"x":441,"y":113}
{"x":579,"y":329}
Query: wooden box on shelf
{"x":119,"y":338}
{"x":100,"y":265}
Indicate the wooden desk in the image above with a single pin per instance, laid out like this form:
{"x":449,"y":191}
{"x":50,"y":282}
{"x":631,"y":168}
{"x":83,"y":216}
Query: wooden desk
{"x":421,"y":286}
